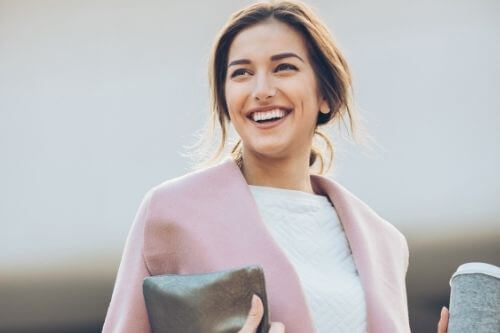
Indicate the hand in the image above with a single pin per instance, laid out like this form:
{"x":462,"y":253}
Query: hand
{"x":255,"y":316}
{"x":443,"y":321}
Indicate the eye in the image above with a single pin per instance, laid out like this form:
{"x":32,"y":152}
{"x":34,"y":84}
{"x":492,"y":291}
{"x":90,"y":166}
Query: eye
{"x":285,"y":67}
{"x":239,"y":72}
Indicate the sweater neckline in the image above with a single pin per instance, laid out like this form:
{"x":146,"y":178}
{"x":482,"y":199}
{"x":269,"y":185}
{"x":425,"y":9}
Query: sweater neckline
{"x":289,"y":195}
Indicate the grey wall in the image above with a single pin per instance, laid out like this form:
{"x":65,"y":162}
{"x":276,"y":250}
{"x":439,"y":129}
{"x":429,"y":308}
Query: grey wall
{"x":97,"y":99}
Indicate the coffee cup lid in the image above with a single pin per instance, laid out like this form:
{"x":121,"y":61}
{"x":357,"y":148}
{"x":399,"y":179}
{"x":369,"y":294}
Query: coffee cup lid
{"x":477,"y":267}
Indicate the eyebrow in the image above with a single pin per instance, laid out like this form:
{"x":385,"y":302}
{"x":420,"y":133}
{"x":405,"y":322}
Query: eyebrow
{"x":275,"y":57}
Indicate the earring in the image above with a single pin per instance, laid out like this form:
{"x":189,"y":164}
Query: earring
{"x":324,"y":108}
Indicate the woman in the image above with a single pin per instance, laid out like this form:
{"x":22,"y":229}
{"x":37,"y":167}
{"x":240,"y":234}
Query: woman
{"x":331,"y":263}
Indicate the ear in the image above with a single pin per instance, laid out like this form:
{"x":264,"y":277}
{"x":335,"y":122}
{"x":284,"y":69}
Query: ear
{"x":323,"y":107}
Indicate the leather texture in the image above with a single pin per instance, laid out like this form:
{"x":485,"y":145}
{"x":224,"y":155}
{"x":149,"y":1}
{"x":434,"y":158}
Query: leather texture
{"x":216,"y":302}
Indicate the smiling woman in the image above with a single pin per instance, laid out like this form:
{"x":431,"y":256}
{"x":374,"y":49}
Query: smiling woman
{"x":331,"y":263}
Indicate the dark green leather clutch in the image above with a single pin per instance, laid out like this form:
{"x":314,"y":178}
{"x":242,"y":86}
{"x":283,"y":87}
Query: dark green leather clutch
{"x":216,"y":302}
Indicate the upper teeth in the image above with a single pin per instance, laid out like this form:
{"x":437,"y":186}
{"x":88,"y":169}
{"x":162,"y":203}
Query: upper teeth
{"x":264,"y":115}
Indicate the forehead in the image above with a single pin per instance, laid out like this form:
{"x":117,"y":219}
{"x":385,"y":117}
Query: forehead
{"x":265,"y":39}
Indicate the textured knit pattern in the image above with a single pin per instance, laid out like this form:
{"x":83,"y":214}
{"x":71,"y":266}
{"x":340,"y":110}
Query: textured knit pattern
{"x":308,"y":230}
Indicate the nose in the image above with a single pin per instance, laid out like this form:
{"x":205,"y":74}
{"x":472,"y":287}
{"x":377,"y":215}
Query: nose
{"x":263,"y":88}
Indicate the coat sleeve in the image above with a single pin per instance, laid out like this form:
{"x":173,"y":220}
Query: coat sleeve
{"x":127,"y":310}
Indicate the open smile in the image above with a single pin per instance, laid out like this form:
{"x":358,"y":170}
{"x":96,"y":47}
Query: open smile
{"x":268,"y":117}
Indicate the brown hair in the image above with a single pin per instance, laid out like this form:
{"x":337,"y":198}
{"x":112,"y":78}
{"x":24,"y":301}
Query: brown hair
{"x":329,"y":65}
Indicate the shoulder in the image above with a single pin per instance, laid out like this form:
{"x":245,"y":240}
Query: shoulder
{"x":348,"y":200}
{"x":178,"y":212}
{"x":171,"y":191}
{"x":366,"y":217}
{"x":194,"y":185}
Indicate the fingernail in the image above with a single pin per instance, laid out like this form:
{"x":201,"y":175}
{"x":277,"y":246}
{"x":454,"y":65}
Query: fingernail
{"x":254,"y":300}
{"x":442,"y":311}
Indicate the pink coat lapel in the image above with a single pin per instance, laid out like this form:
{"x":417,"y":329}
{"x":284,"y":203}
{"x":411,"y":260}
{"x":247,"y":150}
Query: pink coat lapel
{"x":380,"y":252}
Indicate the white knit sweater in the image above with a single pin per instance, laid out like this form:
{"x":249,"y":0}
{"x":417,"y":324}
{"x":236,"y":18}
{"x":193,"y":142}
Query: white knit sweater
{"x":308,"y":230}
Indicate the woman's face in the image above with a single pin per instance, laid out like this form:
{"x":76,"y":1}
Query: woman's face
{"x":271,"y":91}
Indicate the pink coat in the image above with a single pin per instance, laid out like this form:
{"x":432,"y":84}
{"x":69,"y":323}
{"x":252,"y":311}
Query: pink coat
{"x":208,"y":221}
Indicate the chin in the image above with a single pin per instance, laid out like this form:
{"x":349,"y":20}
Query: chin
{"x":270,"y":152}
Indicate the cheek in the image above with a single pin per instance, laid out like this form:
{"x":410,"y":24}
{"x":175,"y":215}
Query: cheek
{"x":310,"y":97}
{"x":235,"y":98}
{"x":302,"y":94}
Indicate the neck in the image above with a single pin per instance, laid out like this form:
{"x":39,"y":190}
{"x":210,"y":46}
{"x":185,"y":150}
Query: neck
{"x":287,"y":173}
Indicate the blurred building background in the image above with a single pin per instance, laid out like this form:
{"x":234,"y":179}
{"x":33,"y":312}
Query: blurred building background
{"x":97,"y":99}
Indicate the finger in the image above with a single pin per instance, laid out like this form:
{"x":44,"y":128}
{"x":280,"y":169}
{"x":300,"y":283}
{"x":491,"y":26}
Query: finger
{"x":254,"y":316}
{"x":443,"y":321}
{"x":277,"y":327}
{"x":446,"y":317}
{"x":440,"y":323}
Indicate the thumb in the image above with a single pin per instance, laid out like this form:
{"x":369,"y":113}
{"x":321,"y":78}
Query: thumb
{"x":254,"y":316}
